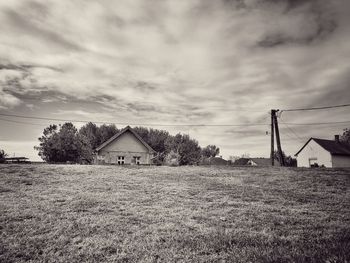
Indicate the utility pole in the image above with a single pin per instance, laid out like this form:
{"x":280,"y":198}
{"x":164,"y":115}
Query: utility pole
{"x":272,"y":138}
{"x":278,"y":140}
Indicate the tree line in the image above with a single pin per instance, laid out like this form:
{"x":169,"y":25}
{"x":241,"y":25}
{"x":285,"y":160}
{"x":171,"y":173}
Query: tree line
{"x":65,"y":143}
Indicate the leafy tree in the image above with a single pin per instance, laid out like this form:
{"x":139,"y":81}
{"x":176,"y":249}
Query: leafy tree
{"x":187,"y":148}
{"x":288,"y":160}
{"x":156,"y":139}
{"x":345,"y":137}
{"x":48,"y":147}
{"x":210,"y":151}
{"x":63,"y":145}
{"x":91,"y":132}
{"x":169,"y":147}
{"x":86,"y":151}
{"x":2,"y":156}
{"x":105,"y":132}
{"x":69,"y":143}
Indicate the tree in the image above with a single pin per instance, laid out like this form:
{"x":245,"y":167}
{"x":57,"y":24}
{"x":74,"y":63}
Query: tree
{"x":345,"y":137}
{"x":172,"y":158}
{"x":48,"y":148}
{"x":69,"y":143}
{"x":2,"y":156}
{"x":63,"y":145}
{"x":91,"y":132}
{"x":86,"y":151}
{"x":105,"y":132}
{"x":157,"y":140}
{"x":210,"y":151}
{"x":188,"y":149}
{"x":288,"y":160}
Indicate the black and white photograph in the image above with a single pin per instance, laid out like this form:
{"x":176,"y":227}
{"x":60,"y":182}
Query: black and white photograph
{"x":175,"y":131}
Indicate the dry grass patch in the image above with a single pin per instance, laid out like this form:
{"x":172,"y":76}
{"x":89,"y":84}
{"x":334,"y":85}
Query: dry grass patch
{"x":69,"y":213}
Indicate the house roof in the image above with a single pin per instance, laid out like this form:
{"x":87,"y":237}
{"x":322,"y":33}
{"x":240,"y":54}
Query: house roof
{"x":241,"y":161}
{"x":127,"y":128}
{"x":333,"y":147}
{"x":217,"y":161}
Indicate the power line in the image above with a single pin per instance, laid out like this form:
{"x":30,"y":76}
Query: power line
{"x":301,"y":140}
{"x":317,"y":123}
{"x":165,"y":125}
{"x":292,"y":135}
{"x":293,"y":132}
{"x":21,"y":122}
{"x":136,"y":124}
{"x":197,"y":108}
{"x":319,"y":108}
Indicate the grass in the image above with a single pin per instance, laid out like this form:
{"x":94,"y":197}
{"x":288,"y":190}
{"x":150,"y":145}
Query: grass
{"x":69,"y":213}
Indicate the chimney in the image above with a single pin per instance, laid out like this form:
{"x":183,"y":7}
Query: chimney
{"x":336,"y":138}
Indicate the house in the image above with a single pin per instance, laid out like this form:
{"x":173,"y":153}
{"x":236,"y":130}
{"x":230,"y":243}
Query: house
{"x":255,"y":162}
{"x":320,"y":152}
{"x":126,"y":147}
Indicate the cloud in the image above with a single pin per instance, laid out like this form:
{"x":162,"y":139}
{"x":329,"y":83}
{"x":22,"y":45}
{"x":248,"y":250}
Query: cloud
{"x":175,"y":61}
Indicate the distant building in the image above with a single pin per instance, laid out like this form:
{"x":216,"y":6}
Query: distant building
{"x":215,"y":161}
{"x":17,"y":160}
{"x":126,"y":147}
{"x":255,"y":162}
{"x":320,"y":152}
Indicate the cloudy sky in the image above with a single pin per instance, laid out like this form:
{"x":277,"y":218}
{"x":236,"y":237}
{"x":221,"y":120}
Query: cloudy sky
{"x":178,"y":62}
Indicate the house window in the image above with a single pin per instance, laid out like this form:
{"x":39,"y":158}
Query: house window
{"x":137,"y":159}
{"x":120,"y":160}
{"x":100,"y":157}
{"x":313,"y":162}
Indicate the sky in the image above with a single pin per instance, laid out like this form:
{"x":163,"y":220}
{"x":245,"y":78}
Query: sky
{"x":176,"y":62}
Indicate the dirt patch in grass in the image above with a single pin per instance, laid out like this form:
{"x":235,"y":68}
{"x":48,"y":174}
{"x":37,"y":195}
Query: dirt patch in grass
{"x":69,"y":213}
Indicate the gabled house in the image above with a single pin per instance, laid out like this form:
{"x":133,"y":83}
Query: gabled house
{"x":327,"y":153}
{"x":126,"y":147}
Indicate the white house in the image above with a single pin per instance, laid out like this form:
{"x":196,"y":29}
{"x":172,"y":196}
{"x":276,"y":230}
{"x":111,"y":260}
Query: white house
{"x":126,"y":147}
{"x":322,"y":152}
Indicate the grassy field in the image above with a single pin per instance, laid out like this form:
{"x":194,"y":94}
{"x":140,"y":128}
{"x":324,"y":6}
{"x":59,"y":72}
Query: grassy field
{"x":74,"y":213}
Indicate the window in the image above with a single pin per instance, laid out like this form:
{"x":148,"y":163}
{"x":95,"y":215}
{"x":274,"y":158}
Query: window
{"x":313,"y":162}
{"x":120,"y":160}
{"x":136,"y":159}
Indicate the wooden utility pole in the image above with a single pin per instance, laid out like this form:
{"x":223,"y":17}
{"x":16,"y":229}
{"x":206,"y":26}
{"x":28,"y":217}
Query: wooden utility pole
{"x":278,"y":140}
{"x":272,"y":138}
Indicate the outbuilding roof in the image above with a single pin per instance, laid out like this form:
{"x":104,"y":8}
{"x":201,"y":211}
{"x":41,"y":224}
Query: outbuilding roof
{"x":127,"y":128}
{"x":333,"y":147}
{"x":259,"y":161}
{"x":264,"y":161}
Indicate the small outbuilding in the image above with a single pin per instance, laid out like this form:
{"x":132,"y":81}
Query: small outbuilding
{"x":215,"y":161}
{"x":256,"y":162}
{"x":126,"y":147}
{"x":327,"y":153}
{"x":17,"y":160}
